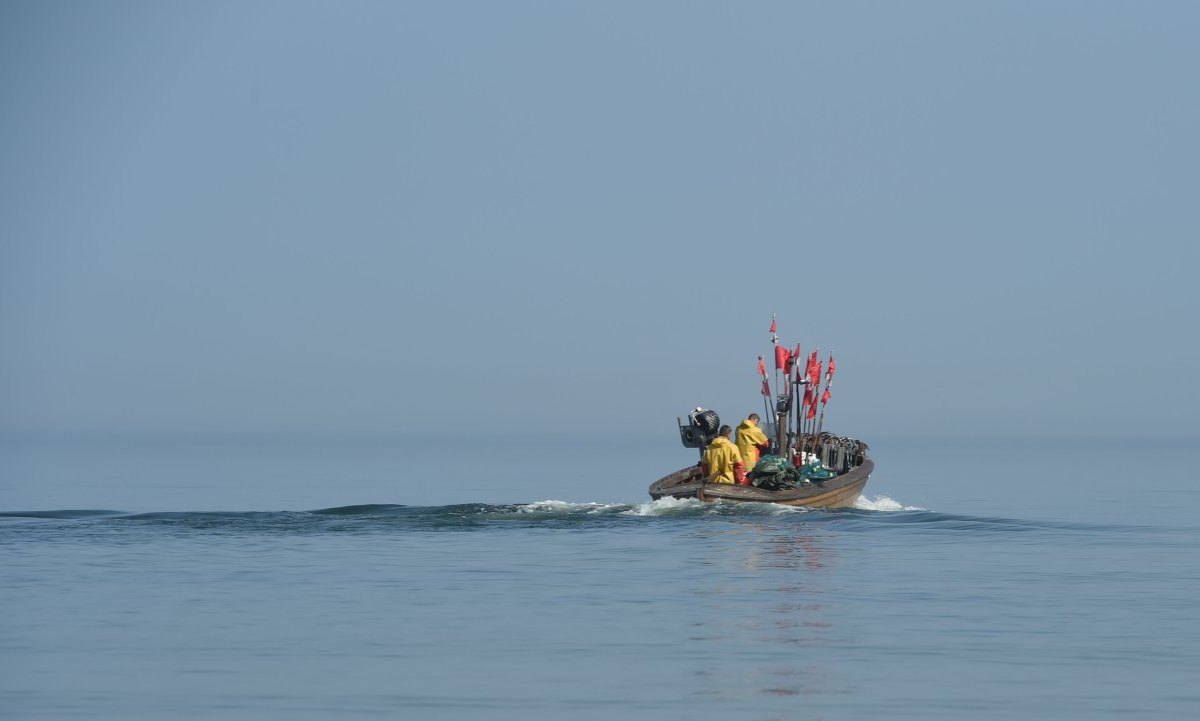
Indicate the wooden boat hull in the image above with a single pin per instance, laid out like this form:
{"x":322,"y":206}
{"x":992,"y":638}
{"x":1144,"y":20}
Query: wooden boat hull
{"x":839,"y":492}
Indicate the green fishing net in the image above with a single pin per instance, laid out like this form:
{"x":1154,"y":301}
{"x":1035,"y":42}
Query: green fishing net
{"x":776,"y":473}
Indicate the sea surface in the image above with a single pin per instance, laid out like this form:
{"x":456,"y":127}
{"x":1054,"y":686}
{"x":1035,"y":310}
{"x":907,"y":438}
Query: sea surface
{"x":379,"y":577}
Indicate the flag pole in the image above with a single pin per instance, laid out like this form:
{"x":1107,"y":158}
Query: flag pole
{"x":822,"y":418}
{"x":825,"y":396}
{"x":766,"y":394}
{"x":785,"y":390}
{"x":775,"y":361}
{"x":798,"y":400}
{"x":814,"y":384}
{"x":816,"y":399}
{"x":801,"y":380}
{"x":775,"y":347}
{"x":794,"y":393}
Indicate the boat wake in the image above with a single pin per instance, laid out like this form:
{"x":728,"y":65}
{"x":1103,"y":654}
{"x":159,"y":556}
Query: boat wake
{"x":880,"y":512}
{"x":545,"y":510}
{"x":883,"y":503}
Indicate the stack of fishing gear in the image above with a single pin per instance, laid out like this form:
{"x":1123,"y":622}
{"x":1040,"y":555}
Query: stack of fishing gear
{"x":776,"y":473}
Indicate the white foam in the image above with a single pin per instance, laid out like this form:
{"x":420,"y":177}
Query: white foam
{"x":882,"y":503}
{"x":551,"y":506}
{"x":562,"y":507}
{"x":665,"y":506}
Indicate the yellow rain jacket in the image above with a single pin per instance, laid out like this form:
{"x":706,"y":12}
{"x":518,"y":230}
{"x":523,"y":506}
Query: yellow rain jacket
{"x":749,"y":438}
{"x":720,"y":459}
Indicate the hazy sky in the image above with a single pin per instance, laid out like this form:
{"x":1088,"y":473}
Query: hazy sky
{"x":382,"y":216}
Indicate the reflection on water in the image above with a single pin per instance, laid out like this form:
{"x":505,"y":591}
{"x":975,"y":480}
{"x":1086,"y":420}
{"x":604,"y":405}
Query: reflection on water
{"x":771,"y":600}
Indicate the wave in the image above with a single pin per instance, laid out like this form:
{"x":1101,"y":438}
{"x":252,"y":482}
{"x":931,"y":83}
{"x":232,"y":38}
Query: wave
{"x":883,"y":503}
{"x":59,"y":514}
{"x":880,"y":512}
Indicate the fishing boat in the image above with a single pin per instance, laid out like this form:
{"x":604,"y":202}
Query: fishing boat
{"x":847,"y":458}
{"x":808,"y":467}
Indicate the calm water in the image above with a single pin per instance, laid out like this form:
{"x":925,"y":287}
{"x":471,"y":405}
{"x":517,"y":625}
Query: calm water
{"x":258,"y":578}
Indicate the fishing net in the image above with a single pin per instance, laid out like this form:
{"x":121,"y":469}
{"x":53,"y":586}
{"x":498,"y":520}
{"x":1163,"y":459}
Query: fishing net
{"x":814,"y":471}
{"x":776,"y":473}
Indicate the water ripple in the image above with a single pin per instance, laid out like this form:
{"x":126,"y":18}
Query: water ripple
{"x":548,"y":514}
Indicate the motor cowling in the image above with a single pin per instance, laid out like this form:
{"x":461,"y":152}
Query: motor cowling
{"x":701,"y":428}
{"x":707,"y":421}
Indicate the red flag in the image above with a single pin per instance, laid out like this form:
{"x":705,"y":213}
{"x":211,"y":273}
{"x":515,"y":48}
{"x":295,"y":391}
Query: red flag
{"x":781,"y":356}
{"x":762,"y":369}
{"x":817,"y":373}
{"x":832,"y":368}
{"x":808,"y":397}
{"x":796,"y":353}
{"x":812,"y":360}
{"x":812,"y":411}
{"x":825,"y":397}
{"x":766,"y":390}
{"x":791,"y":362}
{"x":772,"y":325}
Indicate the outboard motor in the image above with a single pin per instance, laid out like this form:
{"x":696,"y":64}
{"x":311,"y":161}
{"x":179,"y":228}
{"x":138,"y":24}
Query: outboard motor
{"x":701,"y":428}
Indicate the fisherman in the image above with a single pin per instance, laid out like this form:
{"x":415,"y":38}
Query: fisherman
{"x":751,"y":441}
{"x":722,"y":462}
